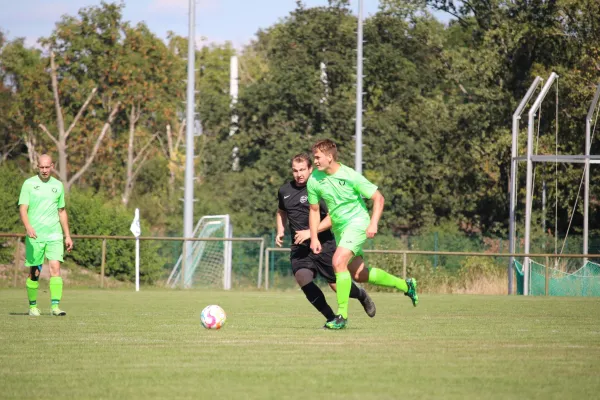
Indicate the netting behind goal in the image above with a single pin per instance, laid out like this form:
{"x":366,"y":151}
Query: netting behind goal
{"x":583,"y":282}
{"x":209,"y":264}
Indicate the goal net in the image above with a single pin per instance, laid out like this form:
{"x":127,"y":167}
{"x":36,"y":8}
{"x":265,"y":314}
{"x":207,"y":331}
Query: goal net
{"x":209,"y":262}
{"x":583,"y":282}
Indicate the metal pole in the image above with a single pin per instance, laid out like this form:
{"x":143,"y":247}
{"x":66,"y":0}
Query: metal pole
{"x":227,"y":255}
{"x":267,"y":269}
{"x":103,"y":263}
{"x":17,"y":261}
{"x":544,"y":213}
{"x":359,"y":91}
{"x":546,"y":281}
{"x":260,"y":259}
{"x":137,"y":264}
{"x":586,"y":201}
{"x":528,"y":201}
{"x":404,"y":256}
{"x":513,"y":177}
{"x":188,"y":198}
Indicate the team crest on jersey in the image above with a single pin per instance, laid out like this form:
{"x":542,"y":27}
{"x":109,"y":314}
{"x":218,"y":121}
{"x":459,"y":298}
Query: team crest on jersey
{"x":54,"y":190}
{"x":303,"y":199}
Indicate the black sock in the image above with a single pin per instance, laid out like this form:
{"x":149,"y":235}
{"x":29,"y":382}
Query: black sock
{"x":317,"y":299}
{"x":356,"y":293}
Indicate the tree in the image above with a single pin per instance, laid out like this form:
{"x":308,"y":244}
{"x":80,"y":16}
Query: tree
{"x":83,"y":61}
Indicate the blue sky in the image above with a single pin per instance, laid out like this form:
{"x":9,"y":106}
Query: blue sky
{"x":216,"y":20}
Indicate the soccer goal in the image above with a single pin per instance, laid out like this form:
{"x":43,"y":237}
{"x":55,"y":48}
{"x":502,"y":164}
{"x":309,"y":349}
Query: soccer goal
{"x":209,"y":262}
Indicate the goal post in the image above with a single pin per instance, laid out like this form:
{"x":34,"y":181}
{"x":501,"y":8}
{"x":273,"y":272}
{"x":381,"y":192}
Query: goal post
{"x":209,"y":263}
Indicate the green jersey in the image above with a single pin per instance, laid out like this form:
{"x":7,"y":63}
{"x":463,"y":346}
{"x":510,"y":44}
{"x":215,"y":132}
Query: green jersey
{"x":343,"y":193}
{"x":43,"y":200}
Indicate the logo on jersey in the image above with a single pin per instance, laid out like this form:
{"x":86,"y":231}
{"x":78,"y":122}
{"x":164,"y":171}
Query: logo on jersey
{"x":303,"y":199}
{"x":285,"y":197}
{"x":342,"y":182}
{"x":36,"y":187}
{"x":54,"y":190}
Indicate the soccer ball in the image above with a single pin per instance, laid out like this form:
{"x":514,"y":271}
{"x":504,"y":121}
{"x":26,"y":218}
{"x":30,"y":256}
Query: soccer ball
{"x":213,"y":317}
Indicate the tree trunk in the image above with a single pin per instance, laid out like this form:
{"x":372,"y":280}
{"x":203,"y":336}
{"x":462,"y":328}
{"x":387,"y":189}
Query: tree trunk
{"x":130,"y":150}
{"x":134,"y":162}
{"x":63,"y":134}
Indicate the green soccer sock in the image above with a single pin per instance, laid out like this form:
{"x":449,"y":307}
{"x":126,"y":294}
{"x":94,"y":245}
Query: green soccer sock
{"x":381,"y":278}
{"x":343,"y":281}
{"x":32,"y":290}
{"x":56,"y":287}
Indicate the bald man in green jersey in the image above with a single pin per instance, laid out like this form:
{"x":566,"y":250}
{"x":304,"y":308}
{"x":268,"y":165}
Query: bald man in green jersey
{"x":343,"y":190}
{"x":42,"y":210}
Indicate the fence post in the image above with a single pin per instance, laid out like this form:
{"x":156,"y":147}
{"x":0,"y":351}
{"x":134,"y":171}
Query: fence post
{"x":260,"y":261}
{"x":103,"y":262}
{"x":547,"y":280}
{"x":404,"y":265}
{"x":435,"y":248}
{"x":17,"y":261}
{"x":267,"y":269}
{"x":183,"y":262}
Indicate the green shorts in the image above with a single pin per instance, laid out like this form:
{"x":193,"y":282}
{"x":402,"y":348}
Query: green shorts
{"x":35,"y":251}
{"x":352,"y":237}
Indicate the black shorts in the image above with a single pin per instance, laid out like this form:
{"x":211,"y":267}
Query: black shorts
{"x":322,"y":263}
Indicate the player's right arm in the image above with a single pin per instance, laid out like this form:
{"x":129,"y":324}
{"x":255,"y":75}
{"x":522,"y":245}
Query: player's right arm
{"x":281,"y":218}
{"x":314,"y":216}
{"x":281,"y":221}
{"x":23,"y":208}
{"x":25,"y":219}
{"x":314,"y":219}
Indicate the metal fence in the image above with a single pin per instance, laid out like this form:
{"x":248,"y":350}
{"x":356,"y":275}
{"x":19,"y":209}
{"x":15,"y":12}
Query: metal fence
{"x":104,"y":238}
{"x":265,"y":265}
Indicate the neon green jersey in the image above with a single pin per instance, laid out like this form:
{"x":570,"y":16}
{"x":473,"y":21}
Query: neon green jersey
{"x":43,"y":200}
{"x":343,"y":193}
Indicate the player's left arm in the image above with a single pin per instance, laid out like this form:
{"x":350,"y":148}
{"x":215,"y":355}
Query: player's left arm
{"x":370,"y":191}
{"x":378,"y":202}
{"x":64,"y":220}
{"x":64,"y":223}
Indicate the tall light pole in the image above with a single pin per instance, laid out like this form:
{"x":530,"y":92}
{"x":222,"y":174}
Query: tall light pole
{"x":190,"y":118}
{"x":359,"y":91}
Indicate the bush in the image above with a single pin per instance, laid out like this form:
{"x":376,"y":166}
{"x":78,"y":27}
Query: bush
{"x":93,"y":214}
{"x":449,"y":238}
{"x":11,"y":181}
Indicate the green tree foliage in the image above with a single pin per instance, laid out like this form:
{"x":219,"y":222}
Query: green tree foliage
{"x":437,"y":109}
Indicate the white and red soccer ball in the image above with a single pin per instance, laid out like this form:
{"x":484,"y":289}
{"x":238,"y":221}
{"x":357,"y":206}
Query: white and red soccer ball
{"x":213,"y":317}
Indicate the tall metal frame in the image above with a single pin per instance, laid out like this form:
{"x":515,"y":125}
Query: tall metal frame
{"x":530,"y":158}
{"x":513,"y":176}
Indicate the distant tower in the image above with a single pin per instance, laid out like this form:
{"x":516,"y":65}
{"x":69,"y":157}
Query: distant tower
{"x":233,"y":92}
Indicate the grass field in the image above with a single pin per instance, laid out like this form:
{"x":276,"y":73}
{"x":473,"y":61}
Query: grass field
{"x":125,"y":345}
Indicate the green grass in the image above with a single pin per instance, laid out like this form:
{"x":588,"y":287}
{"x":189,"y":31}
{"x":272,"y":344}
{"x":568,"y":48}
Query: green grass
{"x":125,"y":345}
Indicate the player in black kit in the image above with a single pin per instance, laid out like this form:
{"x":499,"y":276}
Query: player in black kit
{"x":294,"y":207}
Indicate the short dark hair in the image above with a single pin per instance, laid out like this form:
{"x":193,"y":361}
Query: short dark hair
{"x":326,"y":146}
{"x":302,"y":157}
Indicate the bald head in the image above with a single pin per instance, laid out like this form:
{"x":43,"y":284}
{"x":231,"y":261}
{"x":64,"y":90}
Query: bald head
{"x":45,"y":166}
{"x":44,"y":159}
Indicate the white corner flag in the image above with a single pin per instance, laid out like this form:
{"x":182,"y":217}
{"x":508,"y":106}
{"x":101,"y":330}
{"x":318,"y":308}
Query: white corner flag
{"x":135,"y":225}
{"x":137,"y":231}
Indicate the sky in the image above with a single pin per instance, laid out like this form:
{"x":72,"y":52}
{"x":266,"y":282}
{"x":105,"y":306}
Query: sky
{"x":217,"y":21}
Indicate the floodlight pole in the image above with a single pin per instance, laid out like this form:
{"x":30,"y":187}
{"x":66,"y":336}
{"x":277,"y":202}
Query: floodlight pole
{"x":359,"y":91}
{"x":188,"y":197}
{"x":513,"y":176}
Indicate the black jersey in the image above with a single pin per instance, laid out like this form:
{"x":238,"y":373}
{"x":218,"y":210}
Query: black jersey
{"x":293,"y":199}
